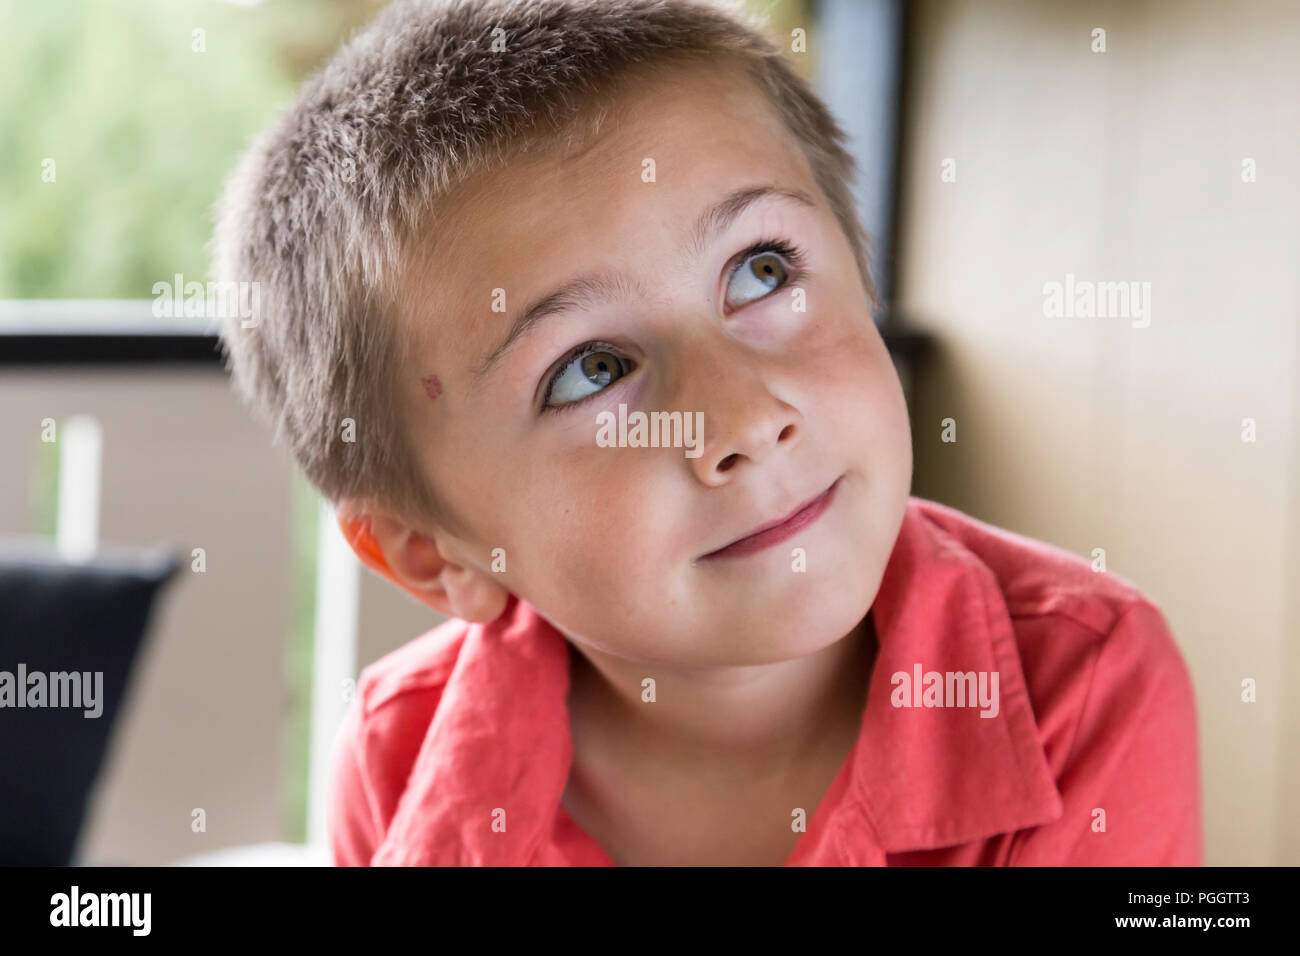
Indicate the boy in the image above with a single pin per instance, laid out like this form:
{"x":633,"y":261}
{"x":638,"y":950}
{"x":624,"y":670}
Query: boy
{"x":489,"y":229}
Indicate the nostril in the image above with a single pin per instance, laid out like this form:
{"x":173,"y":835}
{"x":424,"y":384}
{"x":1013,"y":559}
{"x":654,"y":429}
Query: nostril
{"x":727,"y":463}
{"x":785,"y":433}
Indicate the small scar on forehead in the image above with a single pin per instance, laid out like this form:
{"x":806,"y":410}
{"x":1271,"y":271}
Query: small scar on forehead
{"x":432,"y":387}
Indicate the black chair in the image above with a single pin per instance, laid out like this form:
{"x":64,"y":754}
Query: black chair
{"x":71,"y":619}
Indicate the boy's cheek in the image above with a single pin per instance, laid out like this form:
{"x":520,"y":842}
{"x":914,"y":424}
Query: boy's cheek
{"x":841,"y":363}
{"x":609,"y":571}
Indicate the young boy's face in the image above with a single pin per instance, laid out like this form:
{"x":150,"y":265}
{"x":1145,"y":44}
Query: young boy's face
{"x":618,"y":546}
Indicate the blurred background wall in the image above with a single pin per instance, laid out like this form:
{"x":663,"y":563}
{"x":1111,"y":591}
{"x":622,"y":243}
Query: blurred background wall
{"x":1090,"y":432}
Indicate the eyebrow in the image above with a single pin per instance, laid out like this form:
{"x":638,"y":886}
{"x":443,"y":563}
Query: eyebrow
{"x":602,"y":287}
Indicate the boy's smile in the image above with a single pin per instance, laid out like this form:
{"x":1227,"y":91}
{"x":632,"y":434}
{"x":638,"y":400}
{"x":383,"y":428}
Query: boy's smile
{"x":720,"y":283}
{"x":774,"y":532}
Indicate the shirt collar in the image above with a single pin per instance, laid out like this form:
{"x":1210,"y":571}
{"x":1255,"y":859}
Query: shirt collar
{"x":935,"y":777}
{"x":495,"y":760}
{"x":494,"y":763}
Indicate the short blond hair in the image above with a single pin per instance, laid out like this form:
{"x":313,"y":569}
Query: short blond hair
{"x":323,"y":206}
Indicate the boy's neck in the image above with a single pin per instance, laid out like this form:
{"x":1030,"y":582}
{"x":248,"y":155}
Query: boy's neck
{"x":759,"y":723}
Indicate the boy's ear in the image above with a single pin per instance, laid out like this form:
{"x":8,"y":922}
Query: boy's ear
{"x":413,"y":561}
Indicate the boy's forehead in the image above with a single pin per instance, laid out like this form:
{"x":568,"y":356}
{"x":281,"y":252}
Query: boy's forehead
{"x":670,"y":145}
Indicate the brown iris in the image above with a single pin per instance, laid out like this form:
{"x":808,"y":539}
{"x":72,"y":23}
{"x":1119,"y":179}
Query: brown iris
{"x":601,"y":368}
{"x":768,"y":268}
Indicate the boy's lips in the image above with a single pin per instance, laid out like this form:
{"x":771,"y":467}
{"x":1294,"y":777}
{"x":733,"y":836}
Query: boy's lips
{"x":774,"y":532}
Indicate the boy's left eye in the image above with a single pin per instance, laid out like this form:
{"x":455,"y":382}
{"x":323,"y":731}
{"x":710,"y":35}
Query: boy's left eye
{"x":767,"y":266}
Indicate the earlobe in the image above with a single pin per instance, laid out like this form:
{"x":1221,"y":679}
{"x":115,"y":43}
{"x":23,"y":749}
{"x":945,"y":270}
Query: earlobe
{"x":412,"y":560}
{"x":472,"y":595}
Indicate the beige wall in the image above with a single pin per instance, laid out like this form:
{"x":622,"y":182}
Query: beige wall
{"x":204,"y":725}
{"x":1090,"y":433}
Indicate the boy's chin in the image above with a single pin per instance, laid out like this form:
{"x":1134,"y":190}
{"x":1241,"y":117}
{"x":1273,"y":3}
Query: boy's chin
{"x":829,"y":586}
{"x":765,"y":632}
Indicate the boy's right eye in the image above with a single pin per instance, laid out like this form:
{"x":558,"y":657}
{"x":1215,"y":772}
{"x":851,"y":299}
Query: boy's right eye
{"x":585,"y":372}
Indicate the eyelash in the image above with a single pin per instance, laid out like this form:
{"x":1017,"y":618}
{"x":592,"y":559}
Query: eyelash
{"x":783,"y":247}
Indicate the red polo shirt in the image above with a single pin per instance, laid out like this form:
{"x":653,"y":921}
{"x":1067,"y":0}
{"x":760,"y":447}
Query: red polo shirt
{"x":1090,"y":759}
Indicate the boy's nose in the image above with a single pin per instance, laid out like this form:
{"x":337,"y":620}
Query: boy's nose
{"x":744,"y":423}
